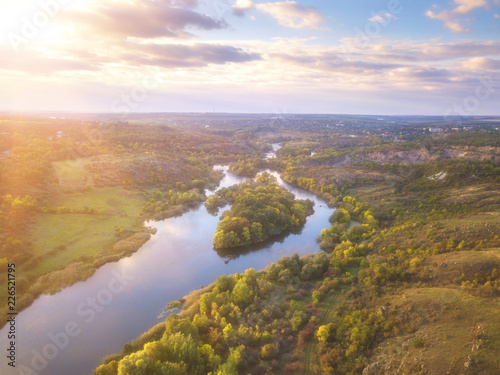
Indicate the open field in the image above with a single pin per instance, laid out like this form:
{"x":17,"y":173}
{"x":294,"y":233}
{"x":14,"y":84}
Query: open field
{"x":71,"y":173}
{"x":62,"y":239}
{"x":455,"y":333}
{"x":108,"y":200}
{"x":73,"y":243}
{"x":74,"y":174}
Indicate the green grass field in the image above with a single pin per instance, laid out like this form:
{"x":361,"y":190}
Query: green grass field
{"x":58,"y":240}
{"x":110,"y":200}
{"x":75,"y":242}
{"x":63,"y":238}
{"x":71,"y":170}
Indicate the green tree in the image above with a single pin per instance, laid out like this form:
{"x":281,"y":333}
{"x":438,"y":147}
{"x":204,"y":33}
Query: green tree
{"x":323,"y":333}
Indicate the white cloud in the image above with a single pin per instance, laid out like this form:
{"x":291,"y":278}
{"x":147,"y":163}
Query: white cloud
{"x":462,"y":8}
{"x":292,"y":14}
{"x":383,"y":18}
{"x":467,"y":6}
{"x":415,"y":52}
{"x":242,"y":6}
{"x":414,"y":77}
{"x":481,"y":64}
{"x":455,"y":27}
{"x":137,"y":18}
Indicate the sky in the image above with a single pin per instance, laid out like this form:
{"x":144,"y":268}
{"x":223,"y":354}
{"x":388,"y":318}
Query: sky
{"x":390,"y":57}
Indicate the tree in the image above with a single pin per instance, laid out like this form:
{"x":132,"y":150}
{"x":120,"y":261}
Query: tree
{"x":268,"y":352}
{"x":257,"y":231}
{"x":247,"y":237}
{"x":323,"y":333}
{"x":316,"y":297}
{"x":110,"y":368}
{"x":242,"y":293}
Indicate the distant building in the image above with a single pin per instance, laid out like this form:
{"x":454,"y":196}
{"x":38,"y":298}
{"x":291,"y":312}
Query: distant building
{"x":435,"y":130}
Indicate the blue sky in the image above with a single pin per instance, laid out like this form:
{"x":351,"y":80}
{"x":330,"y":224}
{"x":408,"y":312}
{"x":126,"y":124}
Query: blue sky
{"x":357,"y":56}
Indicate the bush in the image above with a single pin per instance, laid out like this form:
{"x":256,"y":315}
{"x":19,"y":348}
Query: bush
{"x":418,"y":343}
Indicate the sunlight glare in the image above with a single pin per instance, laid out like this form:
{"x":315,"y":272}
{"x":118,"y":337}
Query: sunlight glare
{"x":12,"y":14}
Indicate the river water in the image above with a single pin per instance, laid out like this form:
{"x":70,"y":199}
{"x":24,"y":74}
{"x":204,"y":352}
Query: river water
{"x":69,"y":333}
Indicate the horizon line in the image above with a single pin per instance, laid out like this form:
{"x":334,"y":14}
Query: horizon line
{"x":35,"y":111}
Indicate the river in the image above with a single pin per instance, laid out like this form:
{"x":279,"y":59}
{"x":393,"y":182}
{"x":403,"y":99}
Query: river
{"x":69,"y":333}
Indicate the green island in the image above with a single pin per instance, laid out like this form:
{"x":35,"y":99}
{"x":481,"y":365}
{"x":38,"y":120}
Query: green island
{"x":260,"y":210}
{"x":247,"y":167}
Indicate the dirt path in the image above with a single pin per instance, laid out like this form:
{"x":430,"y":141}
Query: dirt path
{"x":311,"y":344}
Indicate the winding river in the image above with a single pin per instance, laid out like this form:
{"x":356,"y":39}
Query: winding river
{"x":69,"y":333}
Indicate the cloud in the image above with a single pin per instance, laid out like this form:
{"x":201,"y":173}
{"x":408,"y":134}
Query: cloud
{"x":455,"y":27}
{"x":131,"y":55}
{"x":383,"y":18}
{"x":292,"y":14}
{"x":185,"y":55}
{"x":466,"y":6}
{"x":184,"y":3}
{"x":242,"y":6}
{"x":416,"y":77}
{"x":497,"y":16}
{"x":414,"y":52}
{"x":40,"y":64}
{"x":330,"y":61}
{"x":481,"y":64}
{"x":103,"y":35}
{"x":462,"y":8}
{"x":104,"y":47}
{"x":143,"y":19}
{"x":423,"y":74}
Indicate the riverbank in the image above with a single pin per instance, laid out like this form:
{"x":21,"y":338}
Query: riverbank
{"x":55,"y":281}
{"x":161,"y":273}
{"x":77,"y":230}
{"x":244,"y":309}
